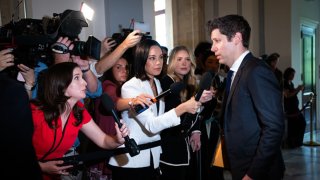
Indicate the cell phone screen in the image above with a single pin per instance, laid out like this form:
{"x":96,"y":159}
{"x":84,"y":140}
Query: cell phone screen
{"x":144,"y":28}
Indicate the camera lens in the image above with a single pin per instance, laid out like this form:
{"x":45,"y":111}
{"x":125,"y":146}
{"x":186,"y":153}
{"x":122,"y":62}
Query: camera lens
{"x":79,"y":48}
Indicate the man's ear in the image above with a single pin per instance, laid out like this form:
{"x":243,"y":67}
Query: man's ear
{"x":237,"y":38}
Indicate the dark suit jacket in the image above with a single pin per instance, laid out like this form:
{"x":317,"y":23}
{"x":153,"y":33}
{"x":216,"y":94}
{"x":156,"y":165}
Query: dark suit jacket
{"x":17,"y":153}
{"x":175,"y":147}
{"x":254,"y":122}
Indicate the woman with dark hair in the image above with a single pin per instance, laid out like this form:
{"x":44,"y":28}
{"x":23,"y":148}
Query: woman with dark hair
{"x":58,"y":116}
{"x":272,"y":60}
{"x":146,"y":127}
{"x":113,"y":81}
{"x":296,"y":120}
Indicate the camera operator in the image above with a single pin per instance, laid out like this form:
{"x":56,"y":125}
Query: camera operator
{"x":7,"y":60}
{"x":109,"y":59}
{"x":94,"y":88}
{"x":16,"y":128}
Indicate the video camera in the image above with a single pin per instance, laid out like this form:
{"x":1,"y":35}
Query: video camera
{"x":31,"y":39}
{"x":89,"y":48}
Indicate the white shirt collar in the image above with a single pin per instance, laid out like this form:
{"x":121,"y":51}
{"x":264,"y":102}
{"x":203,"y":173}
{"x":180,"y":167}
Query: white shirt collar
{"x":235,"y":66}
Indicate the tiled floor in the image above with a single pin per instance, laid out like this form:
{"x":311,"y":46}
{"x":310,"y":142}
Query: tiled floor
{"x":302,"y":163}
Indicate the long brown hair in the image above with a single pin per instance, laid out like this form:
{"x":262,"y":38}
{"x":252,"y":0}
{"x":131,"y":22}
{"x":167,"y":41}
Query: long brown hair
{"x":53,"y":101}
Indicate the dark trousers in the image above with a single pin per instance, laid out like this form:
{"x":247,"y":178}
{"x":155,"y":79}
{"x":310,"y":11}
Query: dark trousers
{"x":296,"y":129}
{"x":173,"y":172}
{"x":146,"y":173}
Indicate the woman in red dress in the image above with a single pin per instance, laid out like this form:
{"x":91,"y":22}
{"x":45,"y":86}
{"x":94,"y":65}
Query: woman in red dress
{"x":58,"y":116}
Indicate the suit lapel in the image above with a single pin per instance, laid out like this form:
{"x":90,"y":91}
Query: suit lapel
{"x":146,"y":86}
{"x":238,"y":76}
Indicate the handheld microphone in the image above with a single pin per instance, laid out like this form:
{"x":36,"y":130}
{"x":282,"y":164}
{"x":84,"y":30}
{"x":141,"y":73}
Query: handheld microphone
{"x":189,"y":119}
{"x":174,"y":88}
{"x":205,"y":84}
{"x":130,"y":144}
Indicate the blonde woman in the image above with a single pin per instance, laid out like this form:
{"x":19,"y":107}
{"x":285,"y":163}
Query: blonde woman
{"x":176,"y":141}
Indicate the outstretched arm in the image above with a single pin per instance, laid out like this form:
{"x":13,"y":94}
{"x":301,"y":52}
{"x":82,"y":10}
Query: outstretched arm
{"x":108,"y":60}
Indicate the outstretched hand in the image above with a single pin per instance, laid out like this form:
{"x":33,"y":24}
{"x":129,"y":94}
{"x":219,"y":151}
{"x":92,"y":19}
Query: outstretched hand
{"x":27,"y":74}
{"x":142,"y":99}
{"x":55,"y":167}
{"x":122,"y":132}
{"x":106,"y":45}
{"x":206,"y":96}
{"x":192,"y":105}
{"x":132,"y":39}
{"x":6,"y":59}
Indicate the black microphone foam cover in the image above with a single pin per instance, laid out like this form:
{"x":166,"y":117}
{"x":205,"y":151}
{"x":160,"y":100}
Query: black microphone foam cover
{"x":176,"y":87}
{"x":107,"y":102}
{"x":205,"y":83}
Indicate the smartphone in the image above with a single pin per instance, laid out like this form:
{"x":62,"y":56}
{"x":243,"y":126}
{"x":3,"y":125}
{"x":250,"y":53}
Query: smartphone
{"x":143,"y":27}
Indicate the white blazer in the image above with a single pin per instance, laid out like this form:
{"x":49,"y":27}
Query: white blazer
{"x":144,"y":127}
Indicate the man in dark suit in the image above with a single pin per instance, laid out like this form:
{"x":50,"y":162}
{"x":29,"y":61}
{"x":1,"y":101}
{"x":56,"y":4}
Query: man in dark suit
{"x":253,"y":114}
{"x":18,"y":156}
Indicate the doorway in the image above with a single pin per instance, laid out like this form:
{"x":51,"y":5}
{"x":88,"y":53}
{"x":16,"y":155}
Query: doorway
{"x":308,"y":47}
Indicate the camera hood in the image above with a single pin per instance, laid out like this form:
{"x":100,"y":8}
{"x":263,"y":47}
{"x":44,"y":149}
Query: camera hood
{"x":72,"y":23}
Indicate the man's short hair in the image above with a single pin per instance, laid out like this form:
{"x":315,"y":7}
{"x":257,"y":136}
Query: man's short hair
{"x":229,"y":25}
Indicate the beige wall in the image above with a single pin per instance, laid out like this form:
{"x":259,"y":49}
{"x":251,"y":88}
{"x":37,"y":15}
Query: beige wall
{"x":9,"y":10}
{"x":188,"y":22}
{"x":278,"y":30}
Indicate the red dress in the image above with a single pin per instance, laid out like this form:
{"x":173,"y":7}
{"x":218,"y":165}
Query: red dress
{"x":106,"y":123}
{"x":44,"y":137}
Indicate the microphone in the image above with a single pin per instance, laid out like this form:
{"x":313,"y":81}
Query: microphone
{"x":189,"y":119}
{"x":174,"y":88}
{"x":205,"y":83}
{"x":130,"y":144}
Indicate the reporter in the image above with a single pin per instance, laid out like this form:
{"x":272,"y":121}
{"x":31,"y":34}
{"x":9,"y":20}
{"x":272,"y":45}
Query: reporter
{"x":179,"y":142}
{"x":113,"y":80}
{"x":108,"y":60}
{"x":146,"y":126}
{"x":7,"y":60}
{"x":58,"y":116}
{"x":16,"y":128}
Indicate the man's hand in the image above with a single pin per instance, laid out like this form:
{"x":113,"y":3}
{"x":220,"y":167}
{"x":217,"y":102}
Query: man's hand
{"x":6,"y":59}
{"x":63,"y":57}
{"x":195,"y":141}
{"x":106,"y":46}
{"x":132,"y":39}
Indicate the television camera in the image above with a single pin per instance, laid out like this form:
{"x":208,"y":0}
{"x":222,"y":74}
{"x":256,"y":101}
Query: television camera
{"x":32,"y":39}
